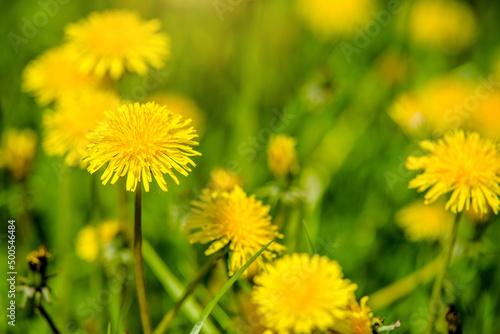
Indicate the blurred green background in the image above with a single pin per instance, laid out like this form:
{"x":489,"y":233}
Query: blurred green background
{"x":244,"y":67}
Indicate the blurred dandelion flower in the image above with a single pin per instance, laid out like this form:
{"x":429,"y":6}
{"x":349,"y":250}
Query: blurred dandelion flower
{"x":116,"y":40}
{"x":486,"y":119}
{"x":463,"y":164}
{"x":406,"y":111}
{"x":183,"y":106}
{"x":236,"y":219}
{"x":425,"y":222}
{"x":74,"y":116}
{"x":302,"y":294}
{"x":18,"y":151}
{"x":222,"y":179}
{"x":282,"y":156}
{"x":448,"y":25}
{"x":143,"y":140}
{"x":54,"y":74}
{"x":89,"y":238}
{"x":38,"y":259}
{"x":359,"y":319}
{"x":334,"y":18}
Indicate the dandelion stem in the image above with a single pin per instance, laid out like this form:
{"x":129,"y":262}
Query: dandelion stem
{"x":435,"y":302}
{"x":139,"y":265}
{"x":169,"y":316}
{"x":47,"y":317}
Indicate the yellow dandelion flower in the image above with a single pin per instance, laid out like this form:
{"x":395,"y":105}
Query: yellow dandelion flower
{"x":89,"y":238}
{"x":425,"y":222}
{"x":183,"y":106}
{"x":37,"y":260}
{"x":335,"y":18}
{"x":463,"y":164}
{"x":143,"y":140}
{"x":18,"y":151}
{"x":301,"y":294}
{"x":486,"y":119}
{"x":115,"y":40}
{"x":359,"y":319}
{"x":282,"y":156}
{"x":222,"y":179}
{"x":74,"y":116}
{"x":55,"y":74}
{"x":448,"y":25}
{"x":406,"y":111}
{"x":236,"y":219}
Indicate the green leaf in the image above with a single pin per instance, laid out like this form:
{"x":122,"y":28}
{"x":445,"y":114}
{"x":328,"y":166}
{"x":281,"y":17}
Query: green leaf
{"x":173,"y":287}
{"x":206,"y":312}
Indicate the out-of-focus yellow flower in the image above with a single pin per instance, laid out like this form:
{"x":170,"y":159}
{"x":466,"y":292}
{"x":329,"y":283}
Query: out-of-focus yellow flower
{"x":222,"y":179}
{"x":74,"y":116}
{"x":443,"y":24}
{"x":302,"y":294}
{"x":335,"y":18}
{"x":463,"y":164}
{"x":54,"y":74}
{"x":393,"y":68}
{"x":359,"y":319}
{"x":89,"y":238}
{"x":425,"y":222}
{"x":117,"y":40}
{"x":236,"y":219}
{"x":183,"y":106}
{"x":282,"y":156}
{"x":18,"y":151}
{"x":144,"y":141}
{"x":38,"y":259}
{"x":406,"y":111}
{"x":486,"y":119}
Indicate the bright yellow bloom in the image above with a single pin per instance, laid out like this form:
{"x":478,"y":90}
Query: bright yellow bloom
{"x":406,"y":111}
{"x":18,"y":151}
{"x":335,"y":18}
{"x":236,"y":219}
{"x":222,"y":179}
{"x":359,"y":319}
{"x":281,"y":155}
{"x":143,"y":140}
{"x":74,"y":116}
{"x":300,"y":294}
{"x":443,"y":24}
{"x":425,"y":222}
{"x":115,"y":40}
{"x":183,"y":106}
{"x":89,"y":239}
{"x":463,"y":164}
{"x":486,"y":119}
{"x":55,"y":74}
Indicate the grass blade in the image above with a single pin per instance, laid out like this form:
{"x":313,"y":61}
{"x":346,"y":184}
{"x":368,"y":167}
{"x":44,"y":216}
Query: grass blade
{"x":206,"y":312}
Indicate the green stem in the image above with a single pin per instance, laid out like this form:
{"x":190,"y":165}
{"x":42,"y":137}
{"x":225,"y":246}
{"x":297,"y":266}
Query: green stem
{"x":435,"y":302}
{"x":46,"y":316}
{"x":169,"y":316}
{"x":139,"y":265}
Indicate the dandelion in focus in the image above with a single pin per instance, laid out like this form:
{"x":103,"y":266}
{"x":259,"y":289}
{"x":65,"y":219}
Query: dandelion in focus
{"x":117,"y":40}
{"x":222,"y":179}
{"x":282,"y":156}
{"x":446,"y":25}
{"x":425,"y":222}
{"x":235,"y":219}
{"x":463,"y":164}
{"x":55,"y":74}
{"x":18,"y":151}
{"x":335,"y":18}
{"x":302,"y":294}
{"x":142,"y":141}
{"x":74,"y":116}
